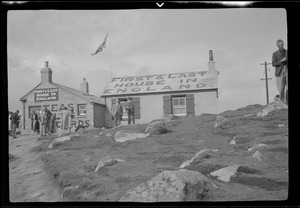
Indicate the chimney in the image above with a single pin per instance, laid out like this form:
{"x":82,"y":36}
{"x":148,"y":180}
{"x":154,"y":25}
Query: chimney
{"x":84,"y":86}
{"x":46,"y":73}
{"x":211,"y":63}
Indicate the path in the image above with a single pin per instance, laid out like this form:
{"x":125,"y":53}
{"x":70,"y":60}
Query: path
{"x":28,"y":182}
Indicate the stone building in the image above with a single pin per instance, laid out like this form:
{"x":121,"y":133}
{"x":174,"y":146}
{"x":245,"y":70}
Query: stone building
{"x":89,"y":109}
{"x":181,"y":94}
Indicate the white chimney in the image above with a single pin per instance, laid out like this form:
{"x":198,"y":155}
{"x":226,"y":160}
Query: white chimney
{"x":84,"y":86}
{"x":46,"y":73}
{"x":211,"y":63}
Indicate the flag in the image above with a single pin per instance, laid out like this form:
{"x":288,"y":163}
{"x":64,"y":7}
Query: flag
{"x":101,"y":46}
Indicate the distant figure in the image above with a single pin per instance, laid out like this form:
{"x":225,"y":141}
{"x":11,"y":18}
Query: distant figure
{"x":14,"y":122}
{"x":280,"y":61}
{"x":65,"y":119}
{"x":71,"y":117}
{"x":9,"y":123}
{"x":117,"y":113}
{"x":34,"y":123}
{"x":47,"y":121}
{"x":276,"y":98}
{"x":130,"y":110}
{"x":79,"y":128}
{"x":53,"y":123}
{"x":43,"y":123}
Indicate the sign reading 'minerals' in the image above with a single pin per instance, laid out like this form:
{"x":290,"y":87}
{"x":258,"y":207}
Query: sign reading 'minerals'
{"x":48,"y":94}
{"x":161,"y":83}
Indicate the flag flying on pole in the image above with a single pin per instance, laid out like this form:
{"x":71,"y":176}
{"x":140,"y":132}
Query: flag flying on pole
{"x":103,"y":44}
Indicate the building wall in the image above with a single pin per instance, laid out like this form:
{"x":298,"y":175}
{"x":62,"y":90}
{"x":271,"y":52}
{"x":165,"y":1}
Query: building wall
{"x":65,"y":99}
{"x":205,"y":102}
{"x":151,"y":106}
{"x":99,"y":115}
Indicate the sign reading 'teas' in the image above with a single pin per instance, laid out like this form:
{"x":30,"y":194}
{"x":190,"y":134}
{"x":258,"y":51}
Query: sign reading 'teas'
{"x":49,"y":94}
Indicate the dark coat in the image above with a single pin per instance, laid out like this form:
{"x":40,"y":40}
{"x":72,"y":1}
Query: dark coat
{"x":14,"y":118}
{"x":276,"y":61}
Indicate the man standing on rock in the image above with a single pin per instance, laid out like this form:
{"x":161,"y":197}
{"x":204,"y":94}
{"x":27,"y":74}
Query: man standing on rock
{"x":14,"y":122}
{"x":280,"y":61}
{"x":130,"y":110}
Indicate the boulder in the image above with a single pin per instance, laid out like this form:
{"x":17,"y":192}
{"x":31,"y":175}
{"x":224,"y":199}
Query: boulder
{"x":224,"y":174}
{"x":180,"y":185}
{"x":108,"y":135}
{"x":219,"y":120}
{"x":63,"y":133}
{"x":248,"y":115}
{"x":257,"y":146}
{"x":168,"y":117}
{"x":107,"y":161}
{"x":123,"y":136}
{"x":233,"y":141}
{"x":257,"y":155}
{"x":276,"y":105}
{"x":68,"y":190}
{"x":157,"y":127}
{"x":58,"y":140}
{"x":188,"y":162}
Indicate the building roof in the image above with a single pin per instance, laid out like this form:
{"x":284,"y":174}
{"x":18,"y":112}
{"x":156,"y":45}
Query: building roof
{"x":186,"y":81}
{"x":88,"y":97}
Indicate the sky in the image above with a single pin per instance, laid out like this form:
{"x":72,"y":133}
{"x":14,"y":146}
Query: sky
{"x":145,"y":42}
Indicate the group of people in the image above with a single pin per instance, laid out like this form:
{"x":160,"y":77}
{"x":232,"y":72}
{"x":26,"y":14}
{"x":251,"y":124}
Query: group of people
{"x":117,"y":111}
{"x":46,"y":121}
{"x":42,"y":122}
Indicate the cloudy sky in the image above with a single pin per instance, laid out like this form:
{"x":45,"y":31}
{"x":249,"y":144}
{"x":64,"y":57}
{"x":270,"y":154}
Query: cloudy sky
{"x":143,"y":42}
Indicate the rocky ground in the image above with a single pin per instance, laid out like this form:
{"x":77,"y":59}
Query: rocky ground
{"x":244,"y":157}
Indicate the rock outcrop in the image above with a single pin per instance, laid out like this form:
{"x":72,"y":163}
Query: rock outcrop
{"x":123,"y":136}
{"x":107,"y":161}
{"x":188,"y":162}
{"x":219,"y":120}
{"x":276,"y":105}
{"x":157,"y":127}
{"x":181,"y":185}
{"x":224,"y":174}
{"x":59,"y":140}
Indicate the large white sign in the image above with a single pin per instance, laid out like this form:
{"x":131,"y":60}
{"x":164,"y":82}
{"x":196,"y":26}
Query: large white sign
{"x":161,"y":83}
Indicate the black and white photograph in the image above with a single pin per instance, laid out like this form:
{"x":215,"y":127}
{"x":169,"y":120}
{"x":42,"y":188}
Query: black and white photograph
{"x":148,"y":105}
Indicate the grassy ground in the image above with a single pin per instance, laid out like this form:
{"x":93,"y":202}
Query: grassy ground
{"x":73,"y":162}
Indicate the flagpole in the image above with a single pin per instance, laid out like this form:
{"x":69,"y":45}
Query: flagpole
{"x":110,"y":76}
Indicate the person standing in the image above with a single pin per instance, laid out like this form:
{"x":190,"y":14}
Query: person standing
{"x":280,"y":62}
{"x":14,"y":122}
{"x":117,"y":113}
{"x":42,"y":120}
{"x":65,"y":119}
{"x":34,"y":123}
{"x":130,"y":110}
{"x":71,"y":117}
{"x":9,"y":123}
{"x":47,"y":121}
{"x":53,"y":123}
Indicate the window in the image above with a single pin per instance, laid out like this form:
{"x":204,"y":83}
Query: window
{"x":179,"y":106}
{"x":81,"y":109}
{"x":33,"y":108}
